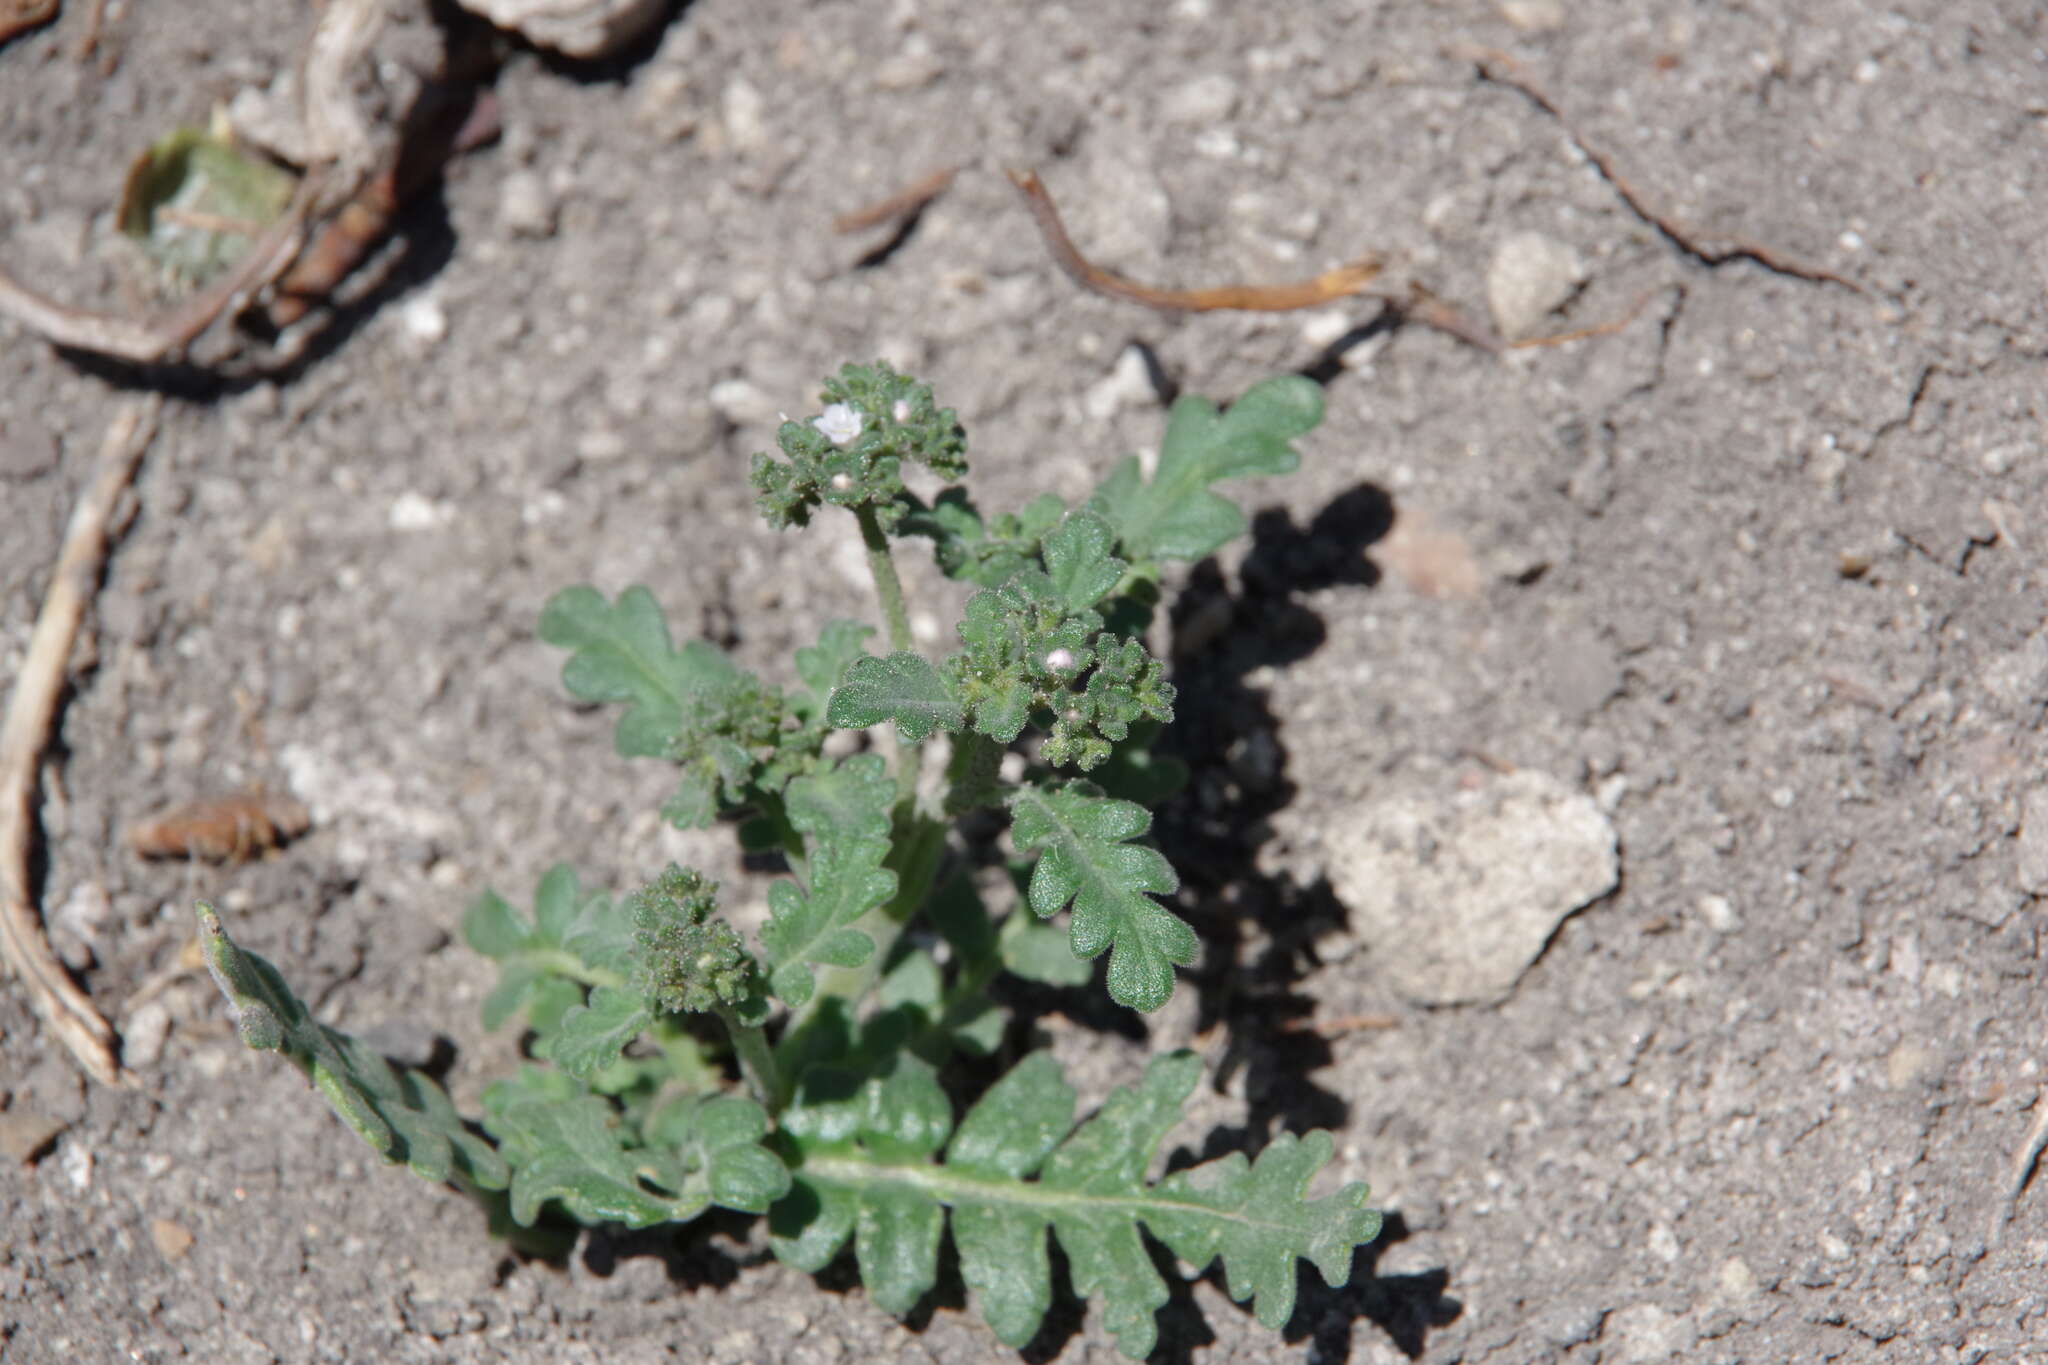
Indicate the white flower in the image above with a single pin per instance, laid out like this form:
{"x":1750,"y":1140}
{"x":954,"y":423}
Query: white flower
{"x":901,"y":412}
{"x":840,"y":423}
{"x":1059,"y":660}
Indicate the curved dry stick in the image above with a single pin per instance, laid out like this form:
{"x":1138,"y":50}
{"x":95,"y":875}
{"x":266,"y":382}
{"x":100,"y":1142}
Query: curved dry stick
{"x":145,"y":341}
{"x":1502,"y":69}
{"x":1341,"y":283}
{"x":66,"y":1009}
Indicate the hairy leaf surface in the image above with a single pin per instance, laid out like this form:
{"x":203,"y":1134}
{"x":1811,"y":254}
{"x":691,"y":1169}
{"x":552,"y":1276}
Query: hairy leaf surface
{"x":1174,"y":515}
{"x":1085,"y":860}
{"x":844,"y":812}
{"x":1017,"y":1167}
{"x":902,"y":687}
{"x":623,"y":653}
{"x":398,"y":1111}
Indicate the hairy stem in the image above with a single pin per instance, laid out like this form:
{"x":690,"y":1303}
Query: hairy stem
{"x":888,"y":587}
{"x":757,"y":1061}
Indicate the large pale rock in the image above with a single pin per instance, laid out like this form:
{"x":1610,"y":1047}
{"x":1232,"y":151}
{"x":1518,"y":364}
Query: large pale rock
{"x":1453,"y":896}
{"x":583,"y":29}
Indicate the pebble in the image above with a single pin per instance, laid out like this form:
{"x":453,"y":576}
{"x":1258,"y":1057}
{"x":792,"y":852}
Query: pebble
{"x":742,"y":109}
{"x":424,"y":321}
{"x":1203,"y":101}
{"x":1644,"y":1333}
{"x":1719,"y":914}
{"x":1459,"y":892}
{"x":661,"y":106}
{"x":742,"y":403}
{"x":144,"y":1034}
{"x":1534,"y":16}
{"x":583,"y":29}
{"x":172,"y":1240}
{"x":1531,"y":276}
{"x":1128,"y":385}
{"x":2033,"y":842}
{"x":525,"y":209}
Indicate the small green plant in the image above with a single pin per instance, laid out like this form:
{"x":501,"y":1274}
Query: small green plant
{"x":816,"y":1096}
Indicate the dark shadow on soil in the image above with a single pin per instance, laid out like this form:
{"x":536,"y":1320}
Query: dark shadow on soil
{"x":1258,"y":927}
{"x":1406,"y":1307}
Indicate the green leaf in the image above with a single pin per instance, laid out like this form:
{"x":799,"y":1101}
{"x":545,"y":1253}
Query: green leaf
{"x":903,"y":687}
{"x":592,"y":1036}
{"x":571,"y":1149}
{"x":859,"y":1175}
{"x":720,"y":1135}
{"x":821,"y":665}
{"x":1079,"y":562}
{"x":576,"y":938}
{"x":844,"y":811}
{"x":623,"y":653}
{"x":399,"y":1112}
{"x":1175,"y":515}
{"x":1085,"y":859}
{"x":1039,"y":952}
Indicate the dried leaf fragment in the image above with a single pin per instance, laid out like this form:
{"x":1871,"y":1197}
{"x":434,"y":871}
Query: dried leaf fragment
{"x":221,"y":829}
{"x":1343,"y":282}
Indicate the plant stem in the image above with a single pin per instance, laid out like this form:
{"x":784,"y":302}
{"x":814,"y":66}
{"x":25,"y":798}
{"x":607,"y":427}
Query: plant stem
{"x":888,"y":587}
{"x":757,"y":1061}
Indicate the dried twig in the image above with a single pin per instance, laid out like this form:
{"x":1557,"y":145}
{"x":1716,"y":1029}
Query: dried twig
{"x":31,"y":712}
{"x":903,"y":204}
{"x":445,"y":122}
{"x":1502,"y":69}
{"x":19,"y":18}
{"x":1343,"y":282}
{"x":2024,"y":1159}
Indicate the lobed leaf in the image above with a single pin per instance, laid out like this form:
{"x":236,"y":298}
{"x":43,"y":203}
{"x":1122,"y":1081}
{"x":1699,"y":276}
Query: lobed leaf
{"x":902,"y":687}
{"x":623,"y":653}
{"x":1017,"y":1167}
{"x":399,"y":1112}
{"x":1085,"y":860}
{"x":1174,"y":515}
{"x":844,"y":811}
{"x":576,"y":938}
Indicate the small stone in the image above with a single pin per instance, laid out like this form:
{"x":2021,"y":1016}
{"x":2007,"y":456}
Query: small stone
{"x":2001,"y":459}
{"x":1459,"y":893}
{"x":2033,"y":842}
{"x":1736,"y":1281}
{"x":525,"y":208}
{"x":425,"y":322}
{"x":411,"y":511}
{"x":1644,"y":1333}
{"x":1531,"y":276}
{"x":583,"y":29}
{"x":172,"y":1240}
{"x":1534,"y":16}
{"x":25,"y":1135}
{"x":1719,"y":914}
{"x":743,"y":110}
{"x":1202,"y":102}
{"x":600,"y":443}
{"x":743,"y":404}
{"x":912,"y":68}
{"x":1128,"y":385}
{"x":662,"y":106}
{"x":144,"y":1034}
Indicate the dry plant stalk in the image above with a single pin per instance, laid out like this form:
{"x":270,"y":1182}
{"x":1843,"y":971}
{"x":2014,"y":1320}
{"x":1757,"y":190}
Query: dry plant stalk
{"x":31,"y":712}
{"x":221,"y":829}
{"x":1343,"y":282}
{"x":904,"y":204}
{"x":1505,"y":70}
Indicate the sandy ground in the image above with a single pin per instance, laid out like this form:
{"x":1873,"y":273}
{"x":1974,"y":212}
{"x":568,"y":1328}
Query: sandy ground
{"x":1760,"y":573}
